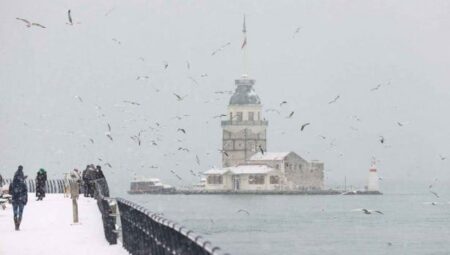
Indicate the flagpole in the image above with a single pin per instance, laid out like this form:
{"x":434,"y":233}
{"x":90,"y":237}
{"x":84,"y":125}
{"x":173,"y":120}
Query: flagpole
{"x":244,"y":51}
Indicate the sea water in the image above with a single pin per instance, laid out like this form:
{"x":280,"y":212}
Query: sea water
{"x":316,"y":224}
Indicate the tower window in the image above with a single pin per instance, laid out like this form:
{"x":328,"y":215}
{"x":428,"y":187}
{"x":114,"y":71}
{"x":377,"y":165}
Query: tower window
{"x":251,"y":116}
{"x":239,"y":116}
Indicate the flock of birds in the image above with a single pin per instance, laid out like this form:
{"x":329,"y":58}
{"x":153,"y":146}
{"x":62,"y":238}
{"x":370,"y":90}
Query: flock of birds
{"x":139,"y":139}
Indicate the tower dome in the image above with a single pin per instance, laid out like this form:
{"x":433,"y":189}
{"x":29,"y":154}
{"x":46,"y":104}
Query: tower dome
{"x":244,"y":93}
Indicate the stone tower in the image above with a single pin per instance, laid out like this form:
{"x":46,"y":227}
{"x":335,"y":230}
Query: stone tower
{"x":244,"y":133}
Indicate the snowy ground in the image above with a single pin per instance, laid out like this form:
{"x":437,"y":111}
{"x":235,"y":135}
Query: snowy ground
{"x":47,"y":229}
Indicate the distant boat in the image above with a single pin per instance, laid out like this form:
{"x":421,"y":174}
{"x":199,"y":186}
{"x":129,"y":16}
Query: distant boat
{"x":149,"y":185}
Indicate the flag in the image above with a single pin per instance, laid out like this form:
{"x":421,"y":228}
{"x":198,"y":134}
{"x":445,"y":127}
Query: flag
{"x":244,"y":43}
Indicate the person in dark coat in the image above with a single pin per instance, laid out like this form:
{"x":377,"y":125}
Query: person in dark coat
{"x":41,"y":179}
{"x":91,"y":175}
{"x":99,"y":172}
{"x":1,"y":180}
{"x":19,"y":192}
{"x":85,"y":181}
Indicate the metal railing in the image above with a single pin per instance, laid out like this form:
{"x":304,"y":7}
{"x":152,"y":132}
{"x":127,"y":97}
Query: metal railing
{"x":144,"y":232}
{"x":51,"y":186}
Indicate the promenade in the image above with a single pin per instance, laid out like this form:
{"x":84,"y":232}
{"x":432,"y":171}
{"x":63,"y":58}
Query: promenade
{"x":47,"y":229}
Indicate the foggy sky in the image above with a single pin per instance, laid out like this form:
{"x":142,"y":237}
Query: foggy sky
{"x":343,"y":48}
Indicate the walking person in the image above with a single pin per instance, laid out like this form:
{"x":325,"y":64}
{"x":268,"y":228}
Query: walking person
{"x":19,"y":192}
{"x":41,"y":179}
{"x":85,"y":181}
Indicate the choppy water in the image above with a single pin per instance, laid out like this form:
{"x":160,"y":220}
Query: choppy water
{"x":311,"y":224}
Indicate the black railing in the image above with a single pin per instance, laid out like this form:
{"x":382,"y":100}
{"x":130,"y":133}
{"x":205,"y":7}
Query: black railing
{"x":144,"y":232}
{"x":51,"y":186}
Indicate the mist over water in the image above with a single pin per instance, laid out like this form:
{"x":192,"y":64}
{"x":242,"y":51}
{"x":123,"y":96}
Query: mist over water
{"x":388,"y":61}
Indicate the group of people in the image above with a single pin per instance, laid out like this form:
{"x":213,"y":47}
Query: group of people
{"x":89,"y":175}
{"x":19,"y":191}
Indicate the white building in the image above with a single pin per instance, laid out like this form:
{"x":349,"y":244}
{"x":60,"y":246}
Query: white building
{"x":246,"y":163}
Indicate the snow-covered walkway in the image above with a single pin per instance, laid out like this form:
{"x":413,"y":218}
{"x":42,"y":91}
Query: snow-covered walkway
{"x":47,"y":229}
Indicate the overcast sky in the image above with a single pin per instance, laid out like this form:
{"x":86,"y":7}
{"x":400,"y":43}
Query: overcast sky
{"x":343,"y":48}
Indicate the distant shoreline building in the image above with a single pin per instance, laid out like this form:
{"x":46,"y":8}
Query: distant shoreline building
{"x":246,"y":163}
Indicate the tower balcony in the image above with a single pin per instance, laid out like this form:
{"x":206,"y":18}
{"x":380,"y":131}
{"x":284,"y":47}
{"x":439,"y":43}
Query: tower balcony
{"x":244,"y":123}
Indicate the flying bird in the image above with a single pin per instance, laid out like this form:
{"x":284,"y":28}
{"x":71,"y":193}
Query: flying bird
{"x":219,"y":116}
{"x":182,"y":130}
{"x":261,"y":149}
{"x":334,"y":100}
{"x":70,"y":18}
{"x":117,"y":41}
{"x":109,"y":136}
{"x":244,"y":211}
{"x":79,"y":98}
{"x":179,"y":98}
{"x":442,"y":157}
{"x":144,"y":77}
{"x":188,"y":65}
{"x":108,"y":165}
{"x":290,"y":115}
{"x":296,"y":32}
{"x":131,"y":102}
{"x":92,"y":140}
{"x":224,"y":152}
{"x":220,"y":49}
{"x":399,"y":124}
{"x":282,"y":103}
{"x":366,"y":211}
{"x":29,"y":24}
{"x":434,"y":193}
{"x":376,"y":88}
{"x":381,"y":139}
{"x":197,"y":159}
{"x":203,"y":75}
{"x":273,"y":110}
{"x":109,"y":127}
{"x":304,"y":125}
{"x":183,"y":149}
{"x":166,"y":65}
{"x":193,"y":80}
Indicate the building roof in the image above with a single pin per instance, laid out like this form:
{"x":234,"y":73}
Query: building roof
{"x":244,"y":93}
{"x":270,"y":156}
{"x":242,"y":169}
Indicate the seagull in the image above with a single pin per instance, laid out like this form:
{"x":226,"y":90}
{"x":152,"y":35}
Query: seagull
{"x":273,"y":110}
{"x":224,"y":152}
{"x":197,"y":159}
{"x":242,"y":210}
{"x":290,"y":115}
{"x":29,"y":24}
{"x":442,"y":157}
{"x":92,"y":140}
{"x":323,"y":137}
{"x":399,"y":124}
{"x":182,"y":130}
{"x":282,"y":103}
{"x":434,"y":193}
{"x":117,"y":41}
{"x":366,"y":211}
{"x":131,"y":102}
{"x":108,"y":164}
{"x":166,"y":65}
{"x":261,"y":149}
{"x":79,"y":98}
{"x":109,"y":127}
{"x":296,"y":32}
{"x":70,"y":18}
{"x":203,"y":75}
{"x":219,"y":116}
{"x":304,"y":125}
{"x":376,"y":88}
{"x":334,"y":100}
{"x":109,"y":136}
{"x":193,"y":80}
{"x":183,"y":149}
{"x":145,"y":77}
{"x":381,"y":139}
{"x":220,"y":49}
{"x":188,"y":65}
{"x":179,"y":98}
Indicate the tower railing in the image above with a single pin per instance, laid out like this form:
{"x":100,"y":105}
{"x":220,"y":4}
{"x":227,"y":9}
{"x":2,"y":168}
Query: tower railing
{"x":245,"y":122}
